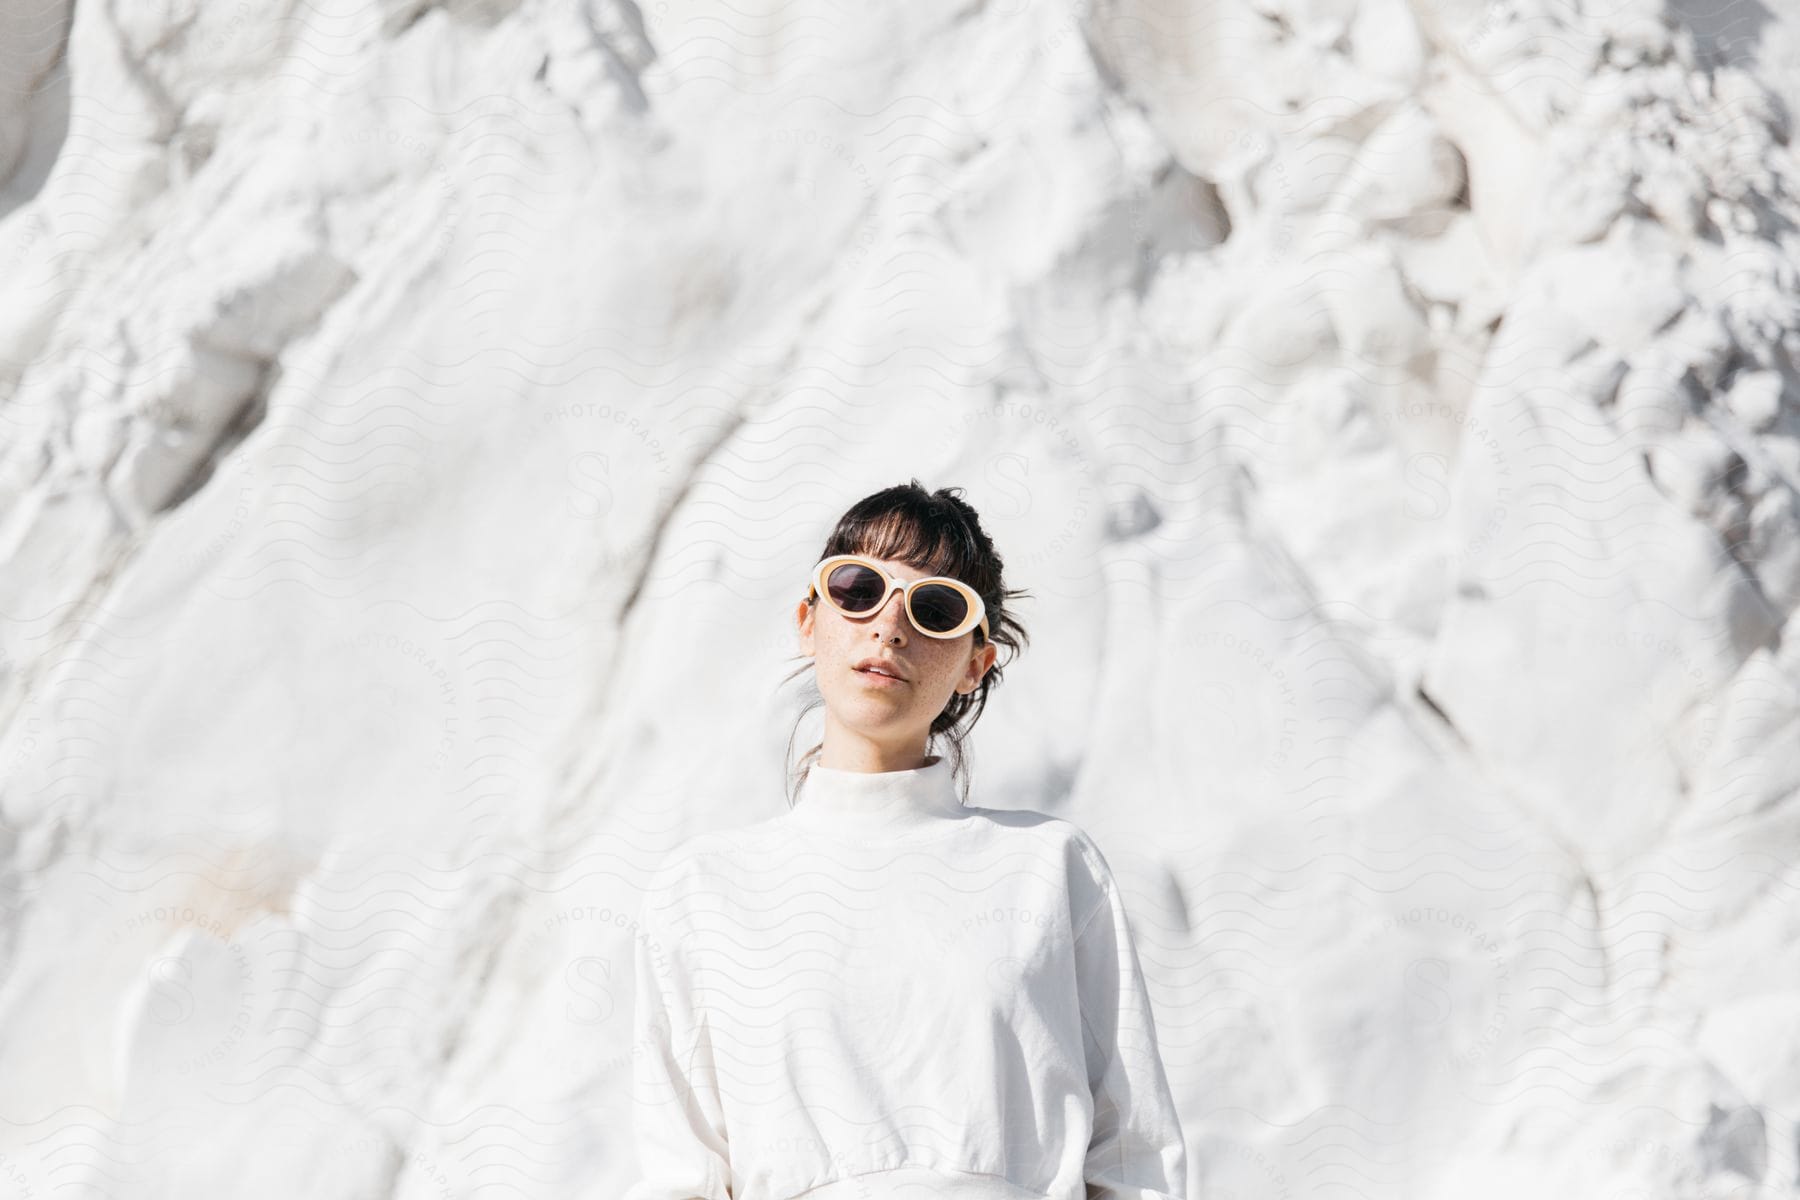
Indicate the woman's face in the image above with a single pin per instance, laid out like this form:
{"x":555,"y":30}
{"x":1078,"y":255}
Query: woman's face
{"x":892,"y":717}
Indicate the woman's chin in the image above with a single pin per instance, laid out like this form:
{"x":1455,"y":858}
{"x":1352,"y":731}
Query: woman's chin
{"x":875,"y":717}
{"x":873,"y":712}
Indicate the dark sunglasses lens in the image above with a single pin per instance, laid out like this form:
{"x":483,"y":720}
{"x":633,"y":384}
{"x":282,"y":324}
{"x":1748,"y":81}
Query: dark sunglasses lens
{"x":854,"y":588}
{"x":939,"y":608}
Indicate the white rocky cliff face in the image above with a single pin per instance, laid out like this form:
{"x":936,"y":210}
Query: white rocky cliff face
{"x":417,"y":421}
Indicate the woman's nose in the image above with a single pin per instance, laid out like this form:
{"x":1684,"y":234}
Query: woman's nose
{"x":891,"y":615}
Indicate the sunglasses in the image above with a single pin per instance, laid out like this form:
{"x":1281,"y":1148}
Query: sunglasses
{"x":939,"y":607}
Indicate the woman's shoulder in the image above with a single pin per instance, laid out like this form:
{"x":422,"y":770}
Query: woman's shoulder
{"x":1088,"y":876}
{"x":700,"y":855}
{"x":1055,"y":836}
{"x":695,"y":848}
{"x":1048,"y":828}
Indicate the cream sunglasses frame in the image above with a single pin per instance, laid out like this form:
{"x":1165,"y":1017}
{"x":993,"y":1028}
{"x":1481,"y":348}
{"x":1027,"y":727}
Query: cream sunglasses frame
{"x":977,"y":609}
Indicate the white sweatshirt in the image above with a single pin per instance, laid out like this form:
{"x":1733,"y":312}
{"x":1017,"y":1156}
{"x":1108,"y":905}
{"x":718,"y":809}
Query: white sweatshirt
{"x":882,"y":993}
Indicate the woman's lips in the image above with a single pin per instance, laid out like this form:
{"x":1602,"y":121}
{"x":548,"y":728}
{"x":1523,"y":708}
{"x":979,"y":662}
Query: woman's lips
{"x":880,"y":680}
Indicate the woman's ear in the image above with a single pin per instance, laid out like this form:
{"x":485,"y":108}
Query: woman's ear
{"x":979,"y":663}
{"x":803,"y":622}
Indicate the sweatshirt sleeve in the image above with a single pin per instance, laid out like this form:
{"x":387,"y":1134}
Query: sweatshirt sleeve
{"x":676,"y":1115}
{"x":1137,"y":1151}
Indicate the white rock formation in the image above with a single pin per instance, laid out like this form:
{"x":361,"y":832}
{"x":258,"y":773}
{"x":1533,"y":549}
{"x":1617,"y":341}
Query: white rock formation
{"x":416,"y":420}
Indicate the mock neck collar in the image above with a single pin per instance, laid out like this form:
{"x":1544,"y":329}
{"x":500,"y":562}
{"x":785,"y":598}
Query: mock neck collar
{"x":879,"y":803}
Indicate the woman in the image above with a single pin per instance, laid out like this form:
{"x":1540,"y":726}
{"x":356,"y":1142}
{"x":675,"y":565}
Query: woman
{"x":883,"y":991}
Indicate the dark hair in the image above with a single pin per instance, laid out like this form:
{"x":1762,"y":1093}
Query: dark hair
{"x":940,"y":533}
